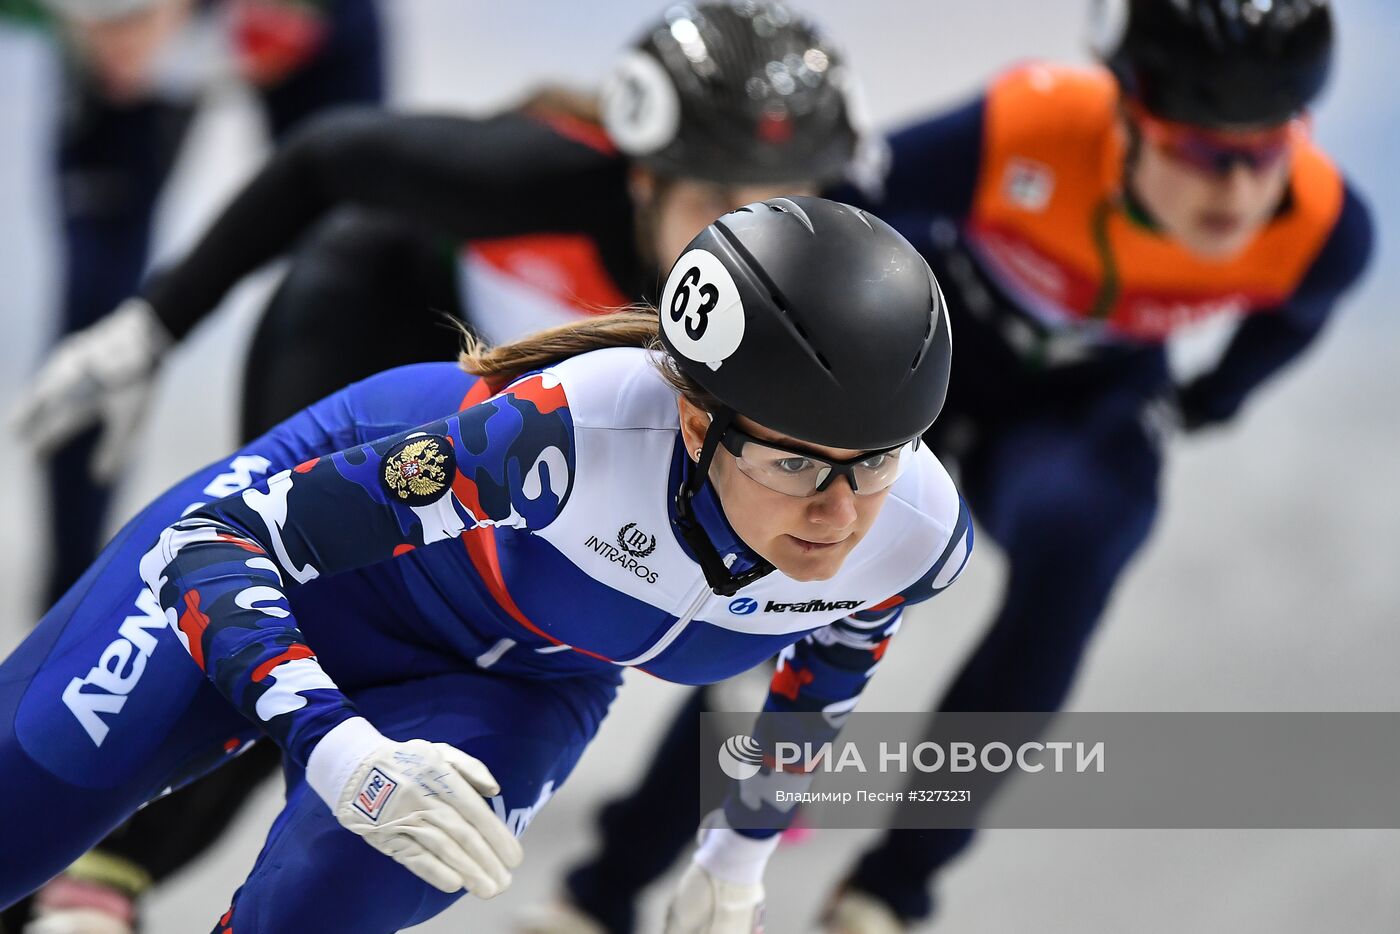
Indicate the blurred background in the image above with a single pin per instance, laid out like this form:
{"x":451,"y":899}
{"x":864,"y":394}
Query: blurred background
{"x":1270,"y":582}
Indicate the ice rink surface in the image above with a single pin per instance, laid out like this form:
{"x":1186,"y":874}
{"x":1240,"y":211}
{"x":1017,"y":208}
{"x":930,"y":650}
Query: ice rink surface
{"x":1270,"y":583}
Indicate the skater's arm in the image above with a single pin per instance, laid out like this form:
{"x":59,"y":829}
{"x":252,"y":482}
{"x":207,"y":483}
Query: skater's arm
{"x":819,"y":679}
{"x":223,"y":572}
{"x":459,"y":177}
{"x":828,"y":669}
{"x":1269,"y":340}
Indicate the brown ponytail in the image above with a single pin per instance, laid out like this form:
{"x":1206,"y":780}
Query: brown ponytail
{"x":633,"y":326}
{"x":550,"y":99}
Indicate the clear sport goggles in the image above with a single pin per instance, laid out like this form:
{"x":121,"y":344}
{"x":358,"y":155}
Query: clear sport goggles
{"x":797,"y":471}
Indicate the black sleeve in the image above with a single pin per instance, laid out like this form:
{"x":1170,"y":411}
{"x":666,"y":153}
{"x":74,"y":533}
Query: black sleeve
{"x":460,"y":177}
{"x":1266,"y":341}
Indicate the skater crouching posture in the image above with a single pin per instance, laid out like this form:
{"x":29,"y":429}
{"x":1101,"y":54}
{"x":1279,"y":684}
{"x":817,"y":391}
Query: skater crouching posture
{"x":419,"y":620}
{"x":555,"y":212}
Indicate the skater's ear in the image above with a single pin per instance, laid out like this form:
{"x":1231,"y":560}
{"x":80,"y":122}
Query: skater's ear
{"x":695,"y":421}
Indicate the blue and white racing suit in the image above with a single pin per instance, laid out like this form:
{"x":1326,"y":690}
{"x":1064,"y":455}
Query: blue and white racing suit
{"x":479,"y":579}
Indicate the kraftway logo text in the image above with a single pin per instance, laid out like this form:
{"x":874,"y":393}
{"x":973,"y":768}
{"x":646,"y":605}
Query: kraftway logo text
{"x":811,"y":606}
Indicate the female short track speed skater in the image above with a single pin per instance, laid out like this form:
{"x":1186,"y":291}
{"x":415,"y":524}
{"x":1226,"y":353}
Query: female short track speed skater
{"x":422,"y":620}
{"x":1078,"y":218}
{"x":548,"y":213}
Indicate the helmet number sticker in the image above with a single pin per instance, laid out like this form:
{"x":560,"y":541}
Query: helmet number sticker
{"x":631,"y":98}
{"x":640,"y":108}
{"x":680,"y":303}
{"x":701,"y":312}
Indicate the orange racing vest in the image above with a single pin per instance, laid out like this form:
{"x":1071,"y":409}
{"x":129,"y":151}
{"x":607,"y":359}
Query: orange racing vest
{"x":1048,"y":223}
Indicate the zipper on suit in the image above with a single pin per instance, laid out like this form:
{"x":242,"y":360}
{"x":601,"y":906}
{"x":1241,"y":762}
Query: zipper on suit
{"x":702,"y":593}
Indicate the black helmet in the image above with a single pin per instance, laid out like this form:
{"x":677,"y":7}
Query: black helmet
{"x":1217,"y":63}
{"x":814,"y":319}
{"x":737,"y":93}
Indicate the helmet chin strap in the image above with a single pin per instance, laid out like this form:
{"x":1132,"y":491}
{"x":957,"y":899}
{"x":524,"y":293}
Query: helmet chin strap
{"x":1133,"y":205}
{"x":717,"y":574}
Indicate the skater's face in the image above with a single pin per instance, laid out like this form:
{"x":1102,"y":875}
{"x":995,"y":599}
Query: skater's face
{"x":807,"y":538}
{"x":122,"y":52}
{"x":1210,"y":190}
{"x":678,"y":209}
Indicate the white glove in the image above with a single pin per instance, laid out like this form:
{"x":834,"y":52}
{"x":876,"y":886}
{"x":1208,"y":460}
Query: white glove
{"x":95,"y":895}
{"x":558,"y":917}
{"x":852,"y":912}
{"x":705,"y":904}
{"x":102,"y":373}
{"x":77,"y":921}
{"x":419,"y":803}
{"x":721,"y":892}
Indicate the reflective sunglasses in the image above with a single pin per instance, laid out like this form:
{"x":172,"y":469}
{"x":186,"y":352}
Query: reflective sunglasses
{"x":1217,"y":151}
{"x":799,"y":472}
